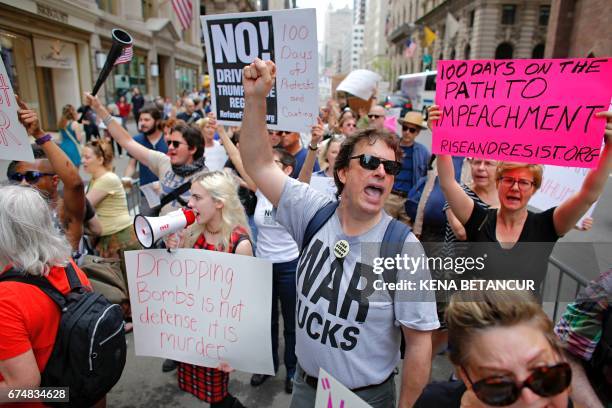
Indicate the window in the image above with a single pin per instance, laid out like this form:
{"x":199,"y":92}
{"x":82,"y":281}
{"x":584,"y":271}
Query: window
{"x":148,"y":9}
{"x":107,"y":5}
{"x":508,"y":14}
{"x":504,"y":51}
{"x":467,"y":52}
{"x":538,"y":51}
{"x":453,"y":54}
{"x":544,"y":15}
{"x":472,"y":17}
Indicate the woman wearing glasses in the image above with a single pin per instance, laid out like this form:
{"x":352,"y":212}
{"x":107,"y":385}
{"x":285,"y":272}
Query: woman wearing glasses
{"x":522,"y":240}
{"x":105,"y":192}
{"x":505,"y":352}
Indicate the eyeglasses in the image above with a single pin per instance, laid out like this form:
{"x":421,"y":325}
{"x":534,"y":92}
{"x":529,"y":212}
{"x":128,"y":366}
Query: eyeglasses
{"x":523,"y":184}
{"x":174,"y":143}
{"x":29,"y":176}
{"x":370,"y":162}
{"x":499,"y":391}
{"x":410,"y":129}
{"x":374,"y":116}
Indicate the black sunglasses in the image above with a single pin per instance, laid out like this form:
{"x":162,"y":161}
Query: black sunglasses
{"x":409,"y":129}
{"x":500,"y":391}
{"x":29,"y":176}
{"x":373,"y":116}
{"x":174,"y":143}
{"x":370,"y":162}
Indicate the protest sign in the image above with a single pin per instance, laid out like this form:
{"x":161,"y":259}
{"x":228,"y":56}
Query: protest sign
{"x":558,"y":184}
{"x":202,"y":307}
{"x":289,"y":38}
{"x":332,"y":394}
{"x":14,"y":143}
{"x":361,"y":83}
{"x":530,"y":111}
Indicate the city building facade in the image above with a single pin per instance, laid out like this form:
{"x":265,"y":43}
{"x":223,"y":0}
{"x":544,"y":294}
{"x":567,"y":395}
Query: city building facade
{"x":374,"y":56}
{"x":337,"y":41}
{"x":487,"y":29}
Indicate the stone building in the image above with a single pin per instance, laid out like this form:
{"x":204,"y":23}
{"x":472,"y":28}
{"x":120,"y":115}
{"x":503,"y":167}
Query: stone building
{"x":487,"y":29}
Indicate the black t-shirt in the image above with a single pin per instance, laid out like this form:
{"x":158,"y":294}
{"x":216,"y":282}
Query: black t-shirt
{"x":527,"y":259}
{"x":441,"y":394}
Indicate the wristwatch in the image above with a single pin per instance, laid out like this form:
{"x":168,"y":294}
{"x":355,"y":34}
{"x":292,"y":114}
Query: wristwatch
{"x":42,"y":140}
{"x":313,"y":148}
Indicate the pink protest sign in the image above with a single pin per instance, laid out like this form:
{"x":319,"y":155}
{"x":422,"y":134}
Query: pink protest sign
{"x":530,"y":111}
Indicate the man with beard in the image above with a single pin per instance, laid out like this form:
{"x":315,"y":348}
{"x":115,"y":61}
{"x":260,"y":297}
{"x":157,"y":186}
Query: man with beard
{"x":151,"y":137}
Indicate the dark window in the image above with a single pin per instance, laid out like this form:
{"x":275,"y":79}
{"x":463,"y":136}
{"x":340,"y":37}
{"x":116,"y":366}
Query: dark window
{"x":504,"y":51}
{"x":508,"y":14}
{"x":538,"y":51}
{"x":544,"y":14}
{"x":430,"y":83}
{"x":467,"y":52}
{"x":472,"y":17}
{"x":453,"y":54}
{"x":441,"y":57}
{"x":203,"y":9}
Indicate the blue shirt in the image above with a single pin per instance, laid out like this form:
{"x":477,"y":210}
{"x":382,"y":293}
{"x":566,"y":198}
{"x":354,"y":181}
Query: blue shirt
{"x":404,"y":180}
{"x":146,"y":175}
{"x":299,"y":162}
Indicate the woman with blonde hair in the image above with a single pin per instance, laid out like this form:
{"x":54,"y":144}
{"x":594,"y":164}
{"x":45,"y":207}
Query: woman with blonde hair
{"x":503,"y":348}
{"x":71,"y":134}
{"x":221,"y":225}
{"x":106,"y":193}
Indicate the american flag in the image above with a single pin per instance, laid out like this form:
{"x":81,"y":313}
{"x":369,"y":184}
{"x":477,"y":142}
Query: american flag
{"x":126,"y":55}
{"x":410,"y":48}
{"x":183,"y":11}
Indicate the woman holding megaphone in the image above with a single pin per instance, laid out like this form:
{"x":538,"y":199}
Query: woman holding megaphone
{"x":221,"y":225}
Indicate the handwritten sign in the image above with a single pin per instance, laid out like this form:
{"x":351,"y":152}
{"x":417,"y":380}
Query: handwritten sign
{"x":202,"y":307}
{"x":530,"y":111}
{"x":289,"y":38}
{"x":332,"y":394}
{"x":559,"y":184}
{"x":14,"y":143}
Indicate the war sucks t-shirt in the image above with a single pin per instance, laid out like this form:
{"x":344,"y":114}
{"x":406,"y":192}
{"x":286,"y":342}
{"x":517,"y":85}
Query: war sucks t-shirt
{"x":341,"y":327}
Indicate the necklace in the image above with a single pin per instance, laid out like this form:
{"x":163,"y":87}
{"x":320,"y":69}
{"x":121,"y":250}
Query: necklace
{"x":212,"y":232}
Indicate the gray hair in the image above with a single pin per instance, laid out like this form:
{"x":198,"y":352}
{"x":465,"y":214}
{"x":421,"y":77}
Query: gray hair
{"x":29,"y":239}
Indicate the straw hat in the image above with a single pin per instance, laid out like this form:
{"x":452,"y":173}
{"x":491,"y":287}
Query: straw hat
{"x":414,"y":118}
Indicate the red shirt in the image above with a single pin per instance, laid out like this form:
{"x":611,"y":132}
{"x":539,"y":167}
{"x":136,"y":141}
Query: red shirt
{"x":29,"y":319}
{"x":124,"y":109}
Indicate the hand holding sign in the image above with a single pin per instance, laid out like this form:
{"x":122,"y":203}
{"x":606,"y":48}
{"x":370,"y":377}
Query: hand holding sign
{"x":29,"y":119}
{"x":258,"y":78}
{"x":317,"y":132}
{"x":608,"y":116}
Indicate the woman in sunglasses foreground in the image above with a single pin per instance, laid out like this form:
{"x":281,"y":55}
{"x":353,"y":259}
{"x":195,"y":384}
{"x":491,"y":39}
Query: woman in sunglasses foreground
{"x":504,"y":351}
{"x":520,"y":241}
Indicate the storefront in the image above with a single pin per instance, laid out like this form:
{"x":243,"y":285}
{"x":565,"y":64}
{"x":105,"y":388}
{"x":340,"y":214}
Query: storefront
{"x":127,"y":76}
{"x":186,"y":78}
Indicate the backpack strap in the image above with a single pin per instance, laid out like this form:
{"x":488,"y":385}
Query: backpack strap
{"x":322,"y":215}
{"x":391,"y":245}
{"x":73,"y":278}
{"x":173,"y":195}
{"x":42,"y":283}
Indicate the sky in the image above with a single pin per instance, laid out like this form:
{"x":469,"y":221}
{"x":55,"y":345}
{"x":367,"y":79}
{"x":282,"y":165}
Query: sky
{"x":321,"y":6}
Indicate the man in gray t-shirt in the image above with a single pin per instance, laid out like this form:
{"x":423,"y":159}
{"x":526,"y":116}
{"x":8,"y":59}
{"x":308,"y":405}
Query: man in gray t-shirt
{"x":344,"y":326}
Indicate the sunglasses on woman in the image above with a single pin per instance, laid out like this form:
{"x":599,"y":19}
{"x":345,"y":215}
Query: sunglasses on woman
{"x":370,"y":162}
{"x":29,"y":176}
{"x":500,"y":391}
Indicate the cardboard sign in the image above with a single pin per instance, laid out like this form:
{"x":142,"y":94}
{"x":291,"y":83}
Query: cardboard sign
{"x":361,"y":83}
{"x":289,"y":38}
{"x":202,"y":307}
{"x":530,"y":111}
{"x":14,"y":143}
{"x":332,"y":394}
{"x":559,"y":184}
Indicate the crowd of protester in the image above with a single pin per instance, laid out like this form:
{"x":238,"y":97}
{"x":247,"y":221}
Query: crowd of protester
{"x":249,"y":189}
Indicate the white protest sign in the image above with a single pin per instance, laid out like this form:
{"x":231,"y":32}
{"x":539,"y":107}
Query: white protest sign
{"x":151,"y":192}
{"x":558,"y":184}
{"x":332,"y":394}
{"x":287,"y":37}
{"x":202,"y":307}
{"x":362,"y":83}
{"x":14,"y":143}
{"x":325,"y":185}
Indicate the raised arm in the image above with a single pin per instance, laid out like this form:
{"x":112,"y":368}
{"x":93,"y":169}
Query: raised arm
{"x":117,"y":132}
{"x":234,"y":154}
{"x":74,"y":191}
{"x":570,"y":211}
{"x":313,"y":149}
{"x":460,"y":203}
{"x":256,"y":152}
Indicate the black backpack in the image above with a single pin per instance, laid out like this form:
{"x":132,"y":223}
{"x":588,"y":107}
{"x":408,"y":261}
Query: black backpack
{"x":90,"y":348}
